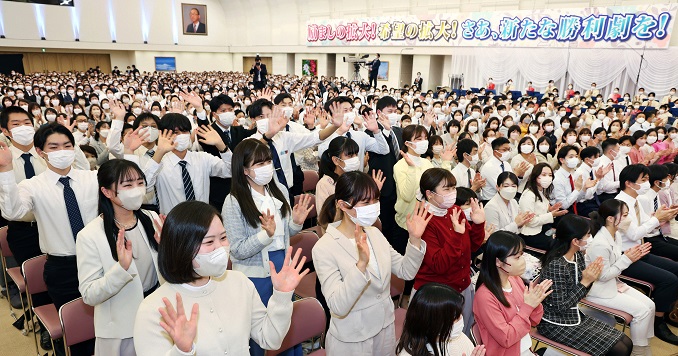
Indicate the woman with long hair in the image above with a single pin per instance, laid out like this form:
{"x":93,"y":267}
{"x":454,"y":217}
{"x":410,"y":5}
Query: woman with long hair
{"x":341,"y":156}
{"x":434,"y":324}
{"x":563,"y":322}
{"x":259,"y":219}
{"x":504,"y":308}
{"x":117,"y":256}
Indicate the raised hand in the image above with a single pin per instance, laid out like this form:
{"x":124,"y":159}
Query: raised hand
{"x":124,"y":249}
{"x":301,"y":209}
{"x":371,"y":122}
{"x":67,"y":124}
{"x":536,"y":293}
{"x":181,"y":329}
{"x":417,"y":221}
{"x":5,"y":157}
{"x":166,"y":142}
{"x":290,"y":275}
{"x":524,"y":217}
{"x":135,"y":139}
{"x":429,"y":118}
{"x":407,"y":159}
{"x":478,"y":182}
{"x":267,"y":94}
{"x":637,"y":252}
{"x":448,"y":153}
{"x":522,"y":168}
{"x":177,"y":107}
{"x":276,"y":122}
{"x":158,"y":223}
{"x":384,"y":121}
{"x":192,"y":99}
{"x":209,"y":136}
{"x":458,"y":226}
{"x":118,"y":110}
{"x":579,"y":183}
{"x":378,"y":177}
{"x":489,"y":229}
{"x":268,"y":223}
{"x":363,"y":248}
{"x":592,"y":272}
{"x":477,"y":211}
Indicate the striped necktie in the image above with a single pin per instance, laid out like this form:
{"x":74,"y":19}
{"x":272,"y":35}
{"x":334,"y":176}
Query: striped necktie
{"x":188,"y":183}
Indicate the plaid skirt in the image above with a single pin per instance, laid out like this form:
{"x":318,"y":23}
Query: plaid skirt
{"x":591,"y":335}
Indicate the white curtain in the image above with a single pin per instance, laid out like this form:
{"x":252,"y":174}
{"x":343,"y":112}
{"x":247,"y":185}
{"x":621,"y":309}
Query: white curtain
{"x":608,"y":68}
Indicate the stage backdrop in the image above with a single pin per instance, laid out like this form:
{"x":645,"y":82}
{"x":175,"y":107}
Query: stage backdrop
{"x":635,"y":26}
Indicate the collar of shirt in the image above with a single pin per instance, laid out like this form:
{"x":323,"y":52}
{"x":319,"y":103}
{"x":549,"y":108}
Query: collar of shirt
{"x":53,"y":177}
{"x":227,"y":129}
{"x":651,"y":194}
{"x":562,"y":172}
{"x":174,"y":159}
{"x":629,"y":200}
{"x":17,"y":153}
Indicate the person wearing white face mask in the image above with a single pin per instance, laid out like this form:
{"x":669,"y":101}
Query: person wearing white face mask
{"x":407,"y":173}
{"x":117,"y":256}
{"x":527,"y":155}
{"x":82,"y":133}
{"x":568,"y":189}
{"x":193,"y":259}
{"x":449,"y":235}
{"x":259,"y":218}
{"x":498,"y":163}
{"x":502,"y":210}
{"x":98,"y":142}
{"x":427,"y":315}
{"x":655,"y":197}
{"x":535,"y":199}
{"x":359,"y":325}
{"x":191,"y":169}
{"x":608,"y":185}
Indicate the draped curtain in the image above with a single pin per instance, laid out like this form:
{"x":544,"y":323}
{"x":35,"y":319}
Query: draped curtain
{"x":608,"y":68}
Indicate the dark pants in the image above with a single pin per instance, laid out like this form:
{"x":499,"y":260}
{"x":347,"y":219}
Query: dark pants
{"x":587,"y":207}
{"x":22,"y":238}
{"x":373,"y":78}
{"x":606,"y":196}
{"x":664,"y":246}
{"x":661,"y":272}
{"x":61,"y":278}
{"x":387,"y":218}
{"x":539,"y":241}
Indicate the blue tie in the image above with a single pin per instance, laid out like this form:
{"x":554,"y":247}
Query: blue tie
{"x":29,"y":171}
{"x":72,"y":208}
{"x":188,"y":183}
{"x":276,"y":164}
{"x":502,"y":167}
{"x":227,"y":133}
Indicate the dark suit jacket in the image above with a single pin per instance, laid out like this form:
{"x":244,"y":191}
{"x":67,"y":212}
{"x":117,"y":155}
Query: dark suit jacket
{"x":418,"y":82}
{"x":201,"y":28}
{"x":386,"y":162}
{"x":65,"y":98}
{"x":255,"y":75}
{"x":220,"y":187}
{"x":375,"y":67}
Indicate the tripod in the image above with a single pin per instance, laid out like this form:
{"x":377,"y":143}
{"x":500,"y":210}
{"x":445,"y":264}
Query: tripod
{"x":356,"y":73}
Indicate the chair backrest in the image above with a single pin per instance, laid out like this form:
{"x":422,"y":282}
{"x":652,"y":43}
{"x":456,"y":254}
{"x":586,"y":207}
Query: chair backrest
{"x":4,"y":246}
{"x":310,"y":181}
{"x":33,"y":270}
{"x":397,"y":286}
{"x":475,"y":333}
{"x":305,"y":241}
{"x":77,"y":322}
{"x":311,"y":214}
{"x":308,"y":320}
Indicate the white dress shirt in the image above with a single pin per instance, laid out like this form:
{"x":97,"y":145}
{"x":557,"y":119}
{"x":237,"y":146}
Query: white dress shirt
{"x":18,"y":163}
{"x":609,"y":183}
{"x":562,"y":189}
{"x":376,"y":144}
{"x":584,"y":171}
{"x":44,"y":195}
{"x":168,"y":180}
{"x":267,"y":203}
{"x":491,"y":171}
{"x":636,"y":230}
{"x":81,"y":138}
{"x":461,"y":174}
{"x":646,"y":201}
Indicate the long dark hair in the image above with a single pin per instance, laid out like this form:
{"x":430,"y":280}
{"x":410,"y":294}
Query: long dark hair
{"x":610,"y":207}
{"x":569,"y":228}
{"x":337,"y":146}
{"x":246,"y":154}
{"x":532,"y":184}
{"x":109,"y":175}
{"x":500,"y":245}
{"x":430,"y":319}
{"x":351,"y":187}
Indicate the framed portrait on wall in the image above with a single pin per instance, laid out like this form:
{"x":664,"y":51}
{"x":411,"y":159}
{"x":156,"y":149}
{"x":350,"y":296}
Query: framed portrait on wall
{"x":383,"y":71}
{"x":194,"y":19}
{"x":165,"y":64}
{"x":309,"y":67}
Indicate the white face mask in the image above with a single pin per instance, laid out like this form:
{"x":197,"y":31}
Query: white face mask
{"x":515,"y":136}
{"x":61,"y":159}
{"x":366,"y":215}
{"x":437,"y":149}
{"x":349,"y":117}
{"x":83,"y":126}
{"x":508,"y":193}
{"x":351,"y":164}
{"x":105,"y":106}
{"x":624,"y":150}
{"x":572,"y":162}
{"x":571,"y":140}
{"x":474,"y":159}
{"x":475,"y":114}
{"x":651,"y":139}
{"x":132,"y":199}
{"x":287,"y":112}
{"x":50,"y":117}
{"x":526,"y":149}
{"x":136,"y":111}
{"x":644,"y":187}
{"x":263,"y":174}
{"x":467,"y":214}
{"x":640,"y":120}
{"x":673,"y":135}
{"x":104,"y":133}
{"x":183,"y":142}
{"x":23,"y":135}
{"x":585,"y":138}
{"x":393,"y":119}
{"x":584,"y":244}
{"x":227,"y":118}
{"x":545,"y":181}
{"x":534,"y":129}
{"x":153,"y":133}
{"x":505,"y":156}
{"x":262,"y":126}
{"x":420,"y":147}
{"x":640,"y":143}
{"x":473,"y":129}
{"x":661,"y":136}
{"x":212,"y":264}
{"x":36,"y":112}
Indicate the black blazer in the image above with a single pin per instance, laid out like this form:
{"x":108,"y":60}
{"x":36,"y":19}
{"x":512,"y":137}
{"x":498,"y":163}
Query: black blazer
{"x":386,"y":162}
{"x":375,"y":67}
{"x":418,"y":82}
{"x":201,"y":28}
{"x":220,"y":187}
{"x":255,"y":74}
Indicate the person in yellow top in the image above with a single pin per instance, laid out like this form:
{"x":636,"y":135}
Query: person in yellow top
{"x":407,"y":173}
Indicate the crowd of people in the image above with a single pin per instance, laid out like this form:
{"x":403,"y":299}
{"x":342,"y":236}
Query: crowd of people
{"x":143,"y":188}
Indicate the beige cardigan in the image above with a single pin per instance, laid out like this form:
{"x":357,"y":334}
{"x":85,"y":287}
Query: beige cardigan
{"x":230,"y":313}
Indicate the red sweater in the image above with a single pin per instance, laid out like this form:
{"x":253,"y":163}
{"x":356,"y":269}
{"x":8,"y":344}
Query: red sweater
{"x":448,"y":254}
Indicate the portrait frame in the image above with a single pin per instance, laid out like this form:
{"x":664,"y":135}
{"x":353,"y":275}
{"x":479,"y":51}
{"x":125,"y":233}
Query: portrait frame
{"x":383,"y":71}
{"x":165,"y":64}
{"x":186,"y":9}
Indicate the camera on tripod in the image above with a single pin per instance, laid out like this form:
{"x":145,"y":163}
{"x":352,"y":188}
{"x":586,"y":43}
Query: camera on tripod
{"x":358,"y":61}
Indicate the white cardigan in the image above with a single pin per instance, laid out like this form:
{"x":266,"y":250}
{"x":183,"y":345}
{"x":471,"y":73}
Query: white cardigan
{"x":497,"y":214}
{"x":614,"y":262}
{"x":114,"y":292}
{"x":529,"y":202}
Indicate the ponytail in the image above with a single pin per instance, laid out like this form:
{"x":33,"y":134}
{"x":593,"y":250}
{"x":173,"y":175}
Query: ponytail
{"x":328,"y":213}
{"x":611,"y":207}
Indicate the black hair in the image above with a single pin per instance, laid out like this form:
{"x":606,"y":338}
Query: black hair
{"x":499,"y":246}
{"x":503,"y":176}
{"x":184,"y":229}
{"x":430,"y":319}
{"x":385,"y":102}
{"x":464,"y":196}
{"x":48,"y":130}
{"x":256,"y":109}
{"x":282,"y":96}
{"x":4,"y":115}
{"x":589,"y":152}
{"x":337,"y":146}
{"x":609,"y":143}
{"x":175,"y":122}
{"x":631,"y":173}
{"x":569,"y":227}
{"x":532,"y":184}
{"x":610,"y":207}
{"x":143,"y":117}
{"x":246,"y":154}
{"x":351,"y":187}
{"x":432,"y":177}
{"x":110,"y":174}
{"x":657,"y":173}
